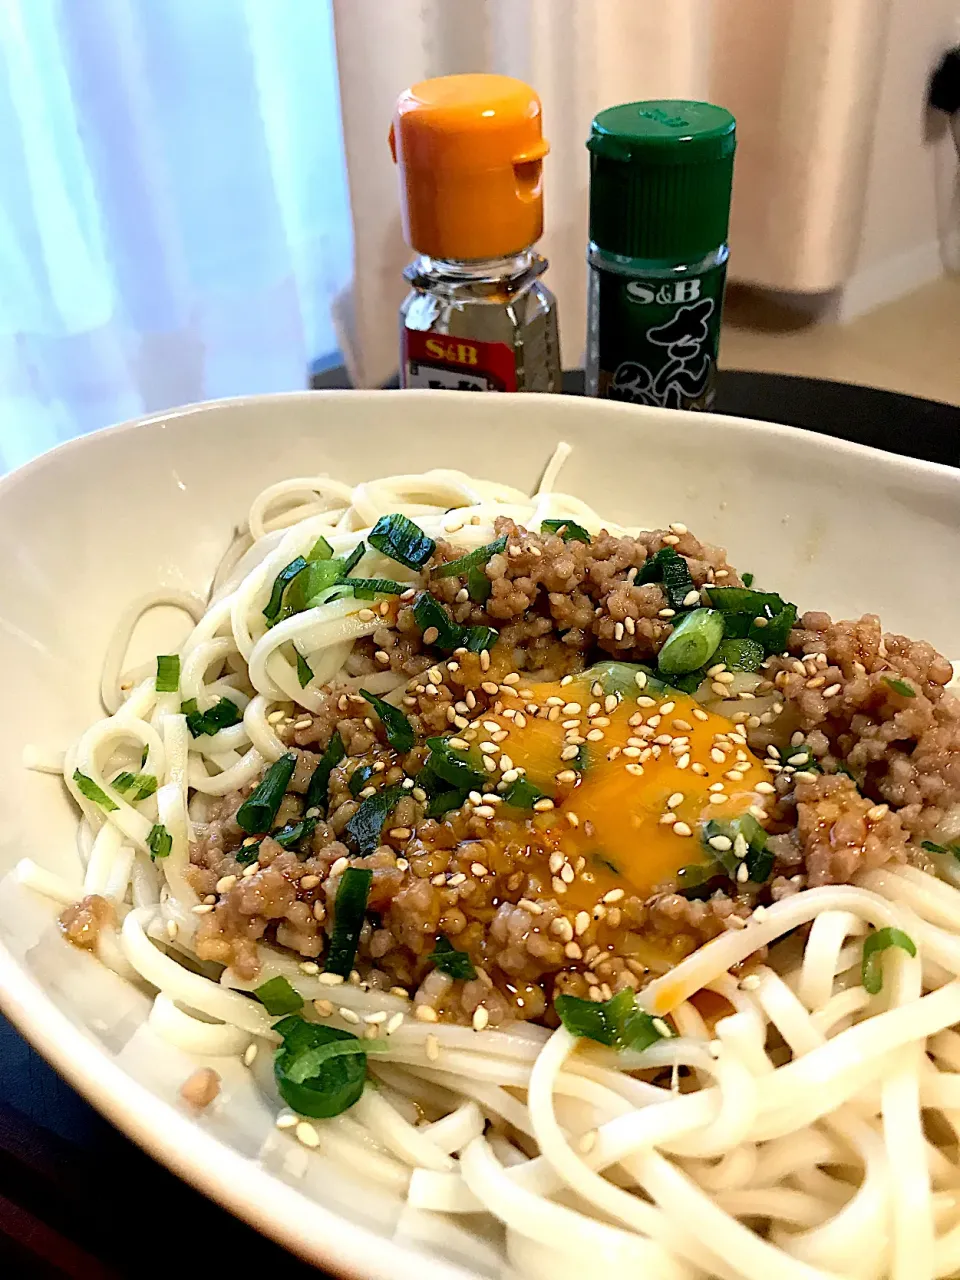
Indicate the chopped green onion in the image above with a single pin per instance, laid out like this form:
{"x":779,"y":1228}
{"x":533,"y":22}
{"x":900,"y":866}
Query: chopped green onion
{"x":360,"y":778}
{"x":523,"y":794}
{"x":757,"y":604}
{"x":617,"y":1022}
{"x":303,"y":591}
{"x":259,"y":809}
{"x":309,"y":1063}
{"x":400,"y":539}
{"x":641,"y":1030}
{"x":248,"y":852}
{"x":338,"y":1081}
{"x":472,"y":560}
{"x":599,"y":1020}
{"x":941,"y":848}
{"x":168,"y":673}
{"x":321,"y":550}
{"x":140,"y":785}
{"x":143,"y":756}
{"x":354,"y":558}
{"x":304,"y":670}
{"x":693,"y":879}
{"x":761,"y":616}
{"x":349,"y":910}
{"x":844,"y":768}
{"x":900,"y":686}
{"x":457,"y":964}
{"x":871,"y":969}
{"x":280,"y":583}
{"x":476,"y":639}
{"x":289,"y":837}
{"x":741,"y":655}
{"x":689,"y":683}
{"x":747,"y":579}
{"x":87,"y":787}
{"x":366,"y":825}
{"x":159,"y":842}
{"x":320,"y":780}
{"x":621,"y":678}
{"x":430,"y":615}
{"x":669,"y":568}
{"x":803,"y":760}
{"x":776,"y":634}
{"x":454,"y":767}
{"x":479,"y":586}
{"x":278,"y":997}
{"x":368,"y":588}
{"x":445,"y":802}
{"x":568,"y":530}
{"x":221,"y":715}
{"x":396,"y":726}
{"x":693,"y":641}
{"x":604,"y":861}
{"x":748,"y":843}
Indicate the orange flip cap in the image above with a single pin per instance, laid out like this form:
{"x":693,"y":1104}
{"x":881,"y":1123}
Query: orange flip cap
{"x":470,"y":153}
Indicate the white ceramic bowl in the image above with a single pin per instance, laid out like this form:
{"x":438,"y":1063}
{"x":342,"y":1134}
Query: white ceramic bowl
{"x":88,"y":527}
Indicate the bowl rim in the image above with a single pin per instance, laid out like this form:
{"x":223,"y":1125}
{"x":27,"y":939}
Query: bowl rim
{"x":276,"y":1208}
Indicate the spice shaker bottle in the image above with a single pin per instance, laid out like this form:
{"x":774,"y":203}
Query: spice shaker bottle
{"x":470,"y":151}
{"x":661,"y":175}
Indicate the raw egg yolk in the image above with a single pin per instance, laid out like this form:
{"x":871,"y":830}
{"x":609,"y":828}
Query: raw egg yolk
{"x":633,"y":776}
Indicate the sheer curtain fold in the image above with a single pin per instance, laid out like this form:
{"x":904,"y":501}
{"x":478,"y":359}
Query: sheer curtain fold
{"x":173,"y":219}
{"x":802,"y":76}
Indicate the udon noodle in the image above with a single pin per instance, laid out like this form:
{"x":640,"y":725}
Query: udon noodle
{"x":811,"y":1131}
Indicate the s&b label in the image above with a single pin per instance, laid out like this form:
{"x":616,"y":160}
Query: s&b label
{"x":444,"y":363}
{"x":658,"y":339}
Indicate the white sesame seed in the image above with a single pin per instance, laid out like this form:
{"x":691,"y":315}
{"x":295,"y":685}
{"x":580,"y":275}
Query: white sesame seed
{"x":480,"y":1018}
{"x":324,"y":1008}
{"x":307,"y":1134}
{"x":877,"y":812}
{"x":432,"y":1047}
{"x":203,"y":909}
{"x":366,"y":615}
{"x":331,"y":979}
{"x":286,"y":1120}
{"x":425,"y":1013}
{"x":172,"y":929}
{"x":395,"y":1022}
{"x":675,"y":799}
{"x":636,"y":770}
{"x":542,"y":806}
{"x":275,"y":717}
{"x":528,"y":904}
{"x":681,"y":829}
{"x":615,"y":895}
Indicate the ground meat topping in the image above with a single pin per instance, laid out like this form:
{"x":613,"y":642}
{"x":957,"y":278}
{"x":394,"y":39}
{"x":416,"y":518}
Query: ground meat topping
{"x":81,"y":922}
{"x":861,"y":746}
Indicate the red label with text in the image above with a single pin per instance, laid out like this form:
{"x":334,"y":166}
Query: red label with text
{"x":443,"y":363}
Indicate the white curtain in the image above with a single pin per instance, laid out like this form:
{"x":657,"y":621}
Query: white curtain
{"x":801,"y":75}
{"x":173,"y":211}
{"x":174,"y":218}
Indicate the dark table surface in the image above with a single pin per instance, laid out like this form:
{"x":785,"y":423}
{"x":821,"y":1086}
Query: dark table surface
{"x":57,"y":1155}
